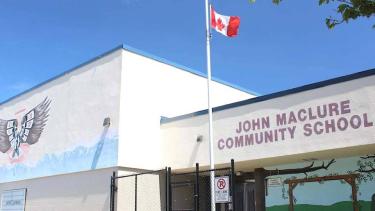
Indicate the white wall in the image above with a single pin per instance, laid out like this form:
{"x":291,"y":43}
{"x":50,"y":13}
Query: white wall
{"x":150,"y":191}
{"x":151,"y":89}
{"x":83,"y":191}
{"x":73,"y":138}
{"x":74,"y":147}
{"x":180,"y":150}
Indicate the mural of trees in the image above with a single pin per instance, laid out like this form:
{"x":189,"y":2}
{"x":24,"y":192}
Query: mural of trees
{"x":366,"y":168}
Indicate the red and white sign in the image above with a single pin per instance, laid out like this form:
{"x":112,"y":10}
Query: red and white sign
{"x":222,"y":189}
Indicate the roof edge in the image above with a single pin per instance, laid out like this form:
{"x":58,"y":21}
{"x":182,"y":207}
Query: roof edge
{"x":136,"y":51}
{"x":62,"y":74}
{"x":185,"y":68}
{"x":274,"y":95}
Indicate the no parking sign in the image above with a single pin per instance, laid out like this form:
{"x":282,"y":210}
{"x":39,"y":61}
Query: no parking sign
{"x":222,"y":189}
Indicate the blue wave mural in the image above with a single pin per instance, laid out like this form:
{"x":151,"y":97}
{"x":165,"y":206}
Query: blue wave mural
{"x":101,"y":155}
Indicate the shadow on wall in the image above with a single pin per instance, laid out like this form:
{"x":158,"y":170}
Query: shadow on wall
{"x":106,"y":204}
{"x":194,"y":153}
{"x":100,"y":144}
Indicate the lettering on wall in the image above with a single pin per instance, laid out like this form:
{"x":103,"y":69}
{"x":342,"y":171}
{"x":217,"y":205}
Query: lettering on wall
{"x":13,"y":200}
{"x":317,"y":120}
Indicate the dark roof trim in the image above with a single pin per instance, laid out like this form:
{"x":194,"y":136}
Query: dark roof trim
{"x":63,"y":74}
{"x":308,"y":87}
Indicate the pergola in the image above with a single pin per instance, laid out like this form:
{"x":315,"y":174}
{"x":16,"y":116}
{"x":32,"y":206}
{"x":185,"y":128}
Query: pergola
{"x":349,"y":178}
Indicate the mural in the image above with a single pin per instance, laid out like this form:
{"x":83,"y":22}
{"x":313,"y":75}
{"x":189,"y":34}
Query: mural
{"x":326,"y":195}
{"x":57,"y":126}
{"x":102,"y":154}
{"x":13,"y":140}
{"x":56,"y":150}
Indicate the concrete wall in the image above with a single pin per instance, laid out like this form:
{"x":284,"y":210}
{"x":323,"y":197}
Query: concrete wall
{"x":73,"y":138}
{"x":294,"y":130}
{"x":151,"y":89}
{"x":83,"y":191}
{"x":150,"y":191}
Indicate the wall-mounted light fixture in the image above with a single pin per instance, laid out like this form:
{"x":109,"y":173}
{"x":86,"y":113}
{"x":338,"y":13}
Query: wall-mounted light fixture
{"x":106,"y":122}
{"x":199,"y":138}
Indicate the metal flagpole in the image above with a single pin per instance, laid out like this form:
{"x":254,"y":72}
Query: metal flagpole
{"x":210,"y":135}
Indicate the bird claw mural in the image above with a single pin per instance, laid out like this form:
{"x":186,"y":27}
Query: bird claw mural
{"x":32,"y":125}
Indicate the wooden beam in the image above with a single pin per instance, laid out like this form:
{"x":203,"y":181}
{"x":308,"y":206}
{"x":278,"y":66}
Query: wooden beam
{"x":324,"y":178}
{"x":260,"y":195}
{"x":291,"y":197}
{"x":349,"y":178}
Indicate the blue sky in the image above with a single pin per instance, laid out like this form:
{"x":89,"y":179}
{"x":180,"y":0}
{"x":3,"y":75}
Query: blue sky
{"x":279,"y":47}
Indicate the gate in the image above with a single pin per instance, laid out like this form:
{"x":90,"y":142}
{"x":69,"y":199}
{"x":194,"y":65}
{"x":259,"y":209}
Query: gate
{"x":163,"y":191}
{"x":191,"y":191}
{"x":145,"y":191}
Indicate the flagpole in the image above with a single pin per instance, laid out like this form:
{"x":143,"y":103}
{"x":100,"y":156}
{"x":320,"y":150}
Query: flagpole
{"x":210,"y":134}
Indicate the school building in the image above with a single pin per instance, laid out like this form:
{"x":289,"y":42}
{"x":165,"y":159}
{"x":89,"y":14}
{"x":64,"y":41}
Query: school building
{"x":99,"y":137}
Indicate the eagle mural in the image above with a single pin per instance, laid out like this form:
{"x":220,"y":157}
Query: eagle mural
{"x":32,"y":126}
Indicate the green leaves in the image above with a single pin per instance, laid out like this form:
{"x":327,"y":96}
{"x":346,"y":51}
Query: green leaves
{"x":323,"y":2}
{"x":330,"y":23}
{"x":342,"y":7}
{"x":351,"y":10}
{"x":347,"y":10}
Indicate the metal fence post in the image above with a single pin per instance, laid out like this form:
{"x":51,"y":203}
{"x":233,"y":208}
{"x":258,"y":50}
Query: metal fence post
{"x":135,"y":192}
{"x":196,"y":190}
{"x":166,"y":188}
{"x":112,"y":193}
{"x":233,"y":184}
{"x":169,"y":190}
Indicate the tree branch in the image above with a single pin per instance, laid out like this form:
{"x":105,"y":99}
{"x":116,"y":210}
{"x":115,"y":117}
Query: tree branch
{"x":303,"y":170}
{"x":368,"y":156}
{"x":348,"y":10}
{"x":366,"y":171}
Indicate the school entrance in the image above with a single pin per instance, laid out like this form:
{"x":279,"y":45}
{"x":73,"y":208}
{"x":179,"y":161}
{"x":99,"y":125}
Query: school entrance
{"x":182,"y":191}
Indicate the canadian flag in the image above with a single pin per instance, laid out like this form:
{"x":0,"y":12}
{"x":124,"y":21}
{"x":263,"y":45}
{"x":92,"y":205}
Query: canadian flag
{"x":227,"y":25}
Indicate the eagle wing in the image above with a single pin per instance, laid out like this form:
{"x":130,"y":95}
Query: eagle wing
{"x":8,"y":130}
{"x":33,"y":123}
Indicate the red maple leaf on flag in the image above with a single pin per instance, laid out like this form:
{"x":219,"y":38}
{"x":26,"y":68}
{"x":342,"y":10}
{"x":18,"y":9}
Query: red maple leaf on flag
{"x":219,"y":24}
